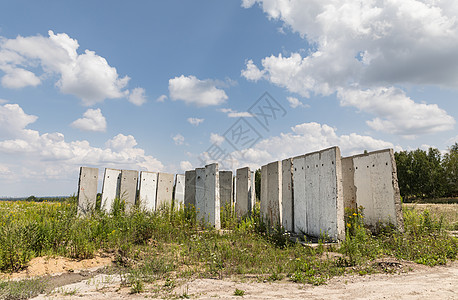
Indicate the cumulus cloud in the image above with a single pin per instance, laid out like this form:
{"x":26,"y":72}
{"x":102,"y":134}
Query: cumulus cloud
{"x":367,"y":46}
{"x":137,"y":96}
{"x":294,"y":102}
{"x":195,"y":121}
{"x":161,"y":98}
{"x":216,"y":139}
{"x":121,"y":142}
{"x":197,"y":92}
{"x":92,"y":120}
{"x":185,"y":165}
{"x":13,"y":121}
{"x":235,"y":114}
{"x":87,"y":76}
{"x":178,"y":139}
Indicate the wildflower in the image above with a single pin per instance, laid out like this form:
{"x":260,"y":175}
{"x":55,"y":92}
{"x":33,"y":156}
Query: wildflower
{"x":348,"y":225}
{"x":355,"y":214}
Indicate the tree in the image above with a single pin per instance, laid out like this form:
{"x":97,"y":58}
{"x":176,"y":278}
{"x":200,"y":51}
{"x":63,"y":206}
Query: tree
{"x":450,"y":163}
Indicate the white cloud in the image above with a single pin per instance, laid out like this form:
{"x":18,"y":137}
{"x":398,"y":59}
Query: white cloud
{"x":185,"y":165}
{"x":121,"y":142}
{"x":87,"y":76}
{"x":92,"y":120}
{"x":194,"y":91}
{"x":369,"y":45}
{"x":13,"y":121}
{"x":396,"y":112}
{"x":161,"y":98}
{"x":216,"y":139}
{"x":195,"y":121}
{"x":294,"y":102}
{"x":235,"y":114}
{"x":178,"y":139}
{"x":137,"y":96}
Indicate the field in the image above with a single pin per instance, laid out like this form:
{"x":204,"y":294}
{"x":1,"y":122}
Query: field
{"x":159,"y":254}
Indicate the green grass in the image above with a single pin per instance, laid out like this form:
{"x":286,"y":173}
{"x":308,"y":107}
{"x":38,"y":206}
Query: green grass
{"x":169,"y":245}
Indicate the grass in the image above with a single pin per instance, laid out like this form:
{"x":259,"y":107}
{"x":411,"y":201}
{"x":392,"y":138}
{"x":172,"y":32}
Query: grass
{"x":168,"y":246}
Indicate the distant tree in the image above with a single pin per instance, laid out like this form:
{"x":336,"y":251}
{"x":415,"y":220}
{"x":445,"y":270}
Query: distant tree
{"x":257,"y":183}
{"x":450,"y":163}
{"x":31,"y":199}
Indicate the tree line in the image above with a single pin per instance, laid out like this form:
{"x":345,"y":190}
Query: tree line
{"x":427,"y":174}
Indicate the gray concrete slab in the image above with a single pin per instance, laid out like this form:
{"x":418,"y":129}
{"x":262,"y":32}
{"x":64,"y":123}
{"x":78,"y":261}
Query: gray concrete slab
{"x":147,"y":190}
{"x":179,"y":190}
{"x":287,"y":195}
{"x":225,"y":189}
{"x":128,"y":188}
{"x":87,"y":189}
{"x":190,"y":189}
{"x":252,"y":192}
{"x":164,"y":190}
{"x":200,"y":194}
{"x":243,"y":186}
{"x":263,"y":205}
{"x":212,"y":197}
{"x":110,"y":188}
{"x":318,"y":194}
{"x":377,"y":190}
{"x":348,"y":183}
{"x":271,"y":209}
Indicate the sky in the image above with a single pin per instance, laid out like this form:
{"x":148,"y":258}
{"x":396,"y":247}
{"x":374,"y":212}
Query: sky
{"x":173,"y":85}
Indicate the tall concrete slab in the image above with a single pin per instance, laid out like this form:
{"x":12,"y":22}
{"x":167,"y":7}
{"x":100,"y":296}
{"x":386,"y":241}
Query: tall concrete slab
{"x":287,"y":195}
{"x":147,"y":190}
{"x":243,"y":204}
{"x":348,"y":183}
{"x":110,"y":188}
{"x":164,"y":189}
{"x":377,"y":190}
{"x":318,"y":196}
{"x":200,"y":194}
{"x":190,"y":189}
{"x":252,"y":192}
{"x":212,"y":197}
{"x":263,"y":205}
{"x":128,"y":188}
{"x":179,"y":190}
{"x":87,"y":189}
{"x":225,"y":188}
{"x":271,"y":210}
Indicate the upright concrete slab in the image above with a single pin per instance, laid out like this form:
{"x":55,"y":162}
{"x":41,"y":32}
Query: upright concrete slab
{"x":128,"y":188}
{"x":263,"y":205}
{"x":164,"y":189}
{"x":252,"y":191}
{"x":190,"y":189}
{"x":200,"y":194}
{"x":147,"y":190}
{"x":179,"y":190}
{"x":243,"y":203}
{"x":110,"y":189}
{"x":287,"y":194}
{"x":271,"y":210}
{"x":212,"y":197}
{"x":87,"y":189}
{"x":377,"y":190}
{"x":318,"y":196}
{"x":225,"y":188}
{"x":348,"y":183}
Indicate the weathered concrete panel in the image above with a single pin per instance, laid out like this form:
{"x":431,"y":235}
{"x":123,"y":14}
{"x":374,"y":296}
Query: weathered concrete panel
{"x":212,"y":197}
{"x":190,"y":189}
{"x":225,"y":188}
{"x":377,"y":190}
{"x":287,"y":194}
{"x":179,"y":190}
{"x":318,"y":196}
{"x":252,"y":192}
{"x":87,"y":189}
{"x":200,"y":194}
{"x":110,"y":188}
{"x":147,"y":190}
{"x":263,"y":204}
{"x":128,"y":188}
{"x":272,"y":208}
{"x":243,"y":186}
{"x":348,"y":183}
{"x":164,"y":189}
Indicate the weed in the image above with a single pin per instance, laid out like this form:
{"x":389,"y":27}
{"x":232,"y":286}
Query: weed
{"x":238,"y":292}
{"x":23,"y":289}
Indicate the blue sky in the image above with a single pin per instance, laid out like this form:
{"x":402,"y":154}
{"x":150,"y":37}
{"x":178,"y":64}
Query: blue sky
{"x":156,"y":85}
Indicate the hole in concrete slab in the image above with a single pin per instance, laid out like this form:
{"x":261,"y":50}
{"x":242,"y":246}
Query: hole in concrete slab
{"x":308,"y":167}
{"x":355,"y":168}
{"x":387,"y":164}
{"x":295,"y":169}
{"x":368,"y":166}
{"x":332,"y":162}
{"x":322,"y":165}
{"x":373,"y":166}
{"x":316,"y":166}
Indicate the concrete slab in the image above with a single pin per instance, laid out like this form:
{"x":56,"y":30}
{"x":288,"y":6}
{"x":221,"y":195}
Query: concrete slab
{"x":271,"y":210}
{"x":287,"y":195}
{"x":348,"y":183}
{"x":110,"y":188}
{"x":320,"y":209}
{"x":179,"y":190}
{"x":252,"y":192}
{"x":87,"y":189}
{"x":377,"y":190}
{"x":147,"y":190}
{"x":243,"y":204}
{"x":200,"y":194}
{"x":263,"y":205}
{"x":225,"y":188}
{"x":164,"y":190}
{"x":128,"y":188}
{"x":190,"y":189}
{"x":212,"y":197}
